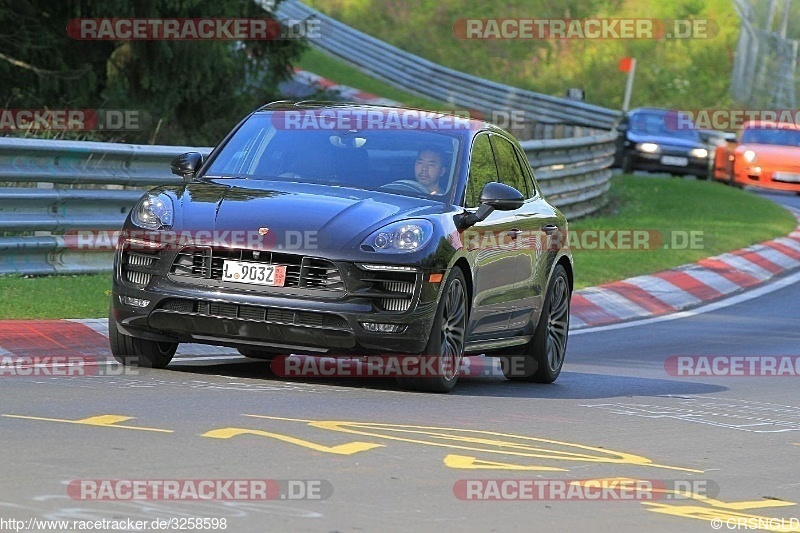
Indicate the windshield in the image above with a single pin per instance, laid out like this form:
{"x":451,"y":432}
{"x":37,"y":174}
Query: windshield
{"x":664,"y":124}
{"x":767,"y":135}
{"x":411,"y":162}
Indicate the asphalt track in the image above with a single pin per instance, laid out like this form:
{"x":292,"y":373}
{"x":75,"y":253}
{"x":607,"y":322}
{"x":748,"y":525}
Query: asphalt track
{"x":348,"y":454}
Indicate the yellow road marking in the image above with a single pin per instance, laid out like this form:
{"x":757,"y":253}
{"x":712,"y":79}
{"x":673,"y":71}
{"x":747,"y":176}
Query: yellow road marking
{"x":482,"y":441}
{"x":473,"y":463}
{"x":765,"y":523}
{"x":342,"y":449}
{"x":109,"y":421}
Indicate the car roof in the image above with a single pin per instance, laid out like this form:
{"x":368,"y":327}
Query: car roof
{"x":475,"y":124}
{"x":771,"y":124}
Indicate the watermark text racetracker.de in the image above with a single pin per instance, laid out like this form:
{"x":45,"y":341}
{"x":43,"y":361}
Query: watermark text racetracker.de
{"x":192,"y":29}
{"x":588,"y":28}
{"x":582,"y":239}
{"x":58,"y":366}
{"x":199,"y":489}
{"x":611,"y":489}
{"x":25,"y":120}
{"x":730,"y":119}
{"x":732,"y":365}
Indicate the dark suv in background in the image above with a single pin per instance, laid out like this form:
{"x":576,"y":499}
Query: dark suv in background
{"x":660,"y":140}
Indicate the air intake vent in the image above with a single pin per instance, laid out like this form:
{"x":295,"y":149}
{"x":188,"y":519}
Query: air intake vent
{"x":406,"y":290}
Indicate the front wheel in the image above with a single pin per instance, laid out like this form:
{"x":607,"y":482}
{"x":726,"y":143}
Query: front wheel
{"x":542,"y":358}
{"x":627,"y":164}
{"x":446,"y":341}
{"x":133,"y":351}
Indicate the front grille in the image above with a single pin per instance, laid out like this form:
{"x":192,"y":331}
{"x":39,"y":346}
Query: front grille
{"x":256,"y":313}
{"x":301,"y":271}
{"x":138,"y":267}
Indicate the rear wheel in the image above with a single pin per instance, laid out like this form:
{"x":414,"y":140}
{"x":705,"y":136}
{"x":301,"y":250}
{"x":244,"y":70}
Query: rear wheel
{"x":446,"y":341}
{"x":542,"y":358}
{"x":133,"y":351}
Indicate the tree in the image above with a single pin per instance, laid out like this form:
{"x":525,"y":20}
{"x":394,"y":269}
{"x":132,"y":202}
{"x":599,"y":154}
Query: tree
{"x":186,"y":91}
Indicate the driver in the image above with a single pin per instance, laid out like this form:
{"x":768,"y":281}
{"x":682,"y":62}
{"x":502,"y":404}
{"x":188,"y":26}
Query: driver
{"x":429,"y":169}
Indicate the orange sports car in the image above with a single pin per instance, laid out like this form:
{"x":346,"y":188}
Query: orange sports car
{"x":767,"y":155}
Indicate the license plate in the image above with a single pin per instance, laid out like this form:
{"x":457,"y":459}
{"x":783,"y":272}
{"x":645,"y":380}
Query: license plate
{"x":254,"y":273}
{"x":674,"y":161}
{"x":791,"y":177}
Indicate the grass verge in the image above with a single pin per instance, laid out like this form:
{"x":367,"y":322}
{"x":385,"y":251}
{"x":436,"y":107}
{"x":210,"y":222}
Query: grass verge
{"x":722,"y":218}
{"x":686,"y":220}
{"x":66,"y":296}
{"x":329,"y":67}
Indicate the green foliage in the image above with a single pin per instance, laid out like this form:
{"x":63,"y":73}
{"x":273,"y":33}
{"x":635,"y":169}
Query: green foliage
{"x":676,"y":73}
{"x":193,"y":92}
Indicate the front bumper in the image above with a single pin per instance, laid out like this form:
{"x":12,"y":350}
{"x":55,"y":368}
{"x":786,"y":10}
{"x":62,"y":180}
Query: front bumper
{"x":152,"y":302}
{"x":656,"y":162}
{"x":768,"y":176}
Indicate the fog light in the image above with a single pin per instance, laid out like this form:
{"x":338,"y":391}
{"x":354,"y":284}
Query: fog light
{"x":135,"y":302}
{"x":376,"y":327}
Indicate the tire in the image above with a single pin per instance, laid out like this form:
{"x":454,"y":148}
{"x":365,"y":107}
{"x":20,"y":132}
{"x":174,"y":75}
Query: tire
{"x":447,"y":338}
{"x":627,"y":164}
{"x":255,"y":353}
{"x":732,"y":175}
{"x":133,"y":351}
{"x":541,"y":360}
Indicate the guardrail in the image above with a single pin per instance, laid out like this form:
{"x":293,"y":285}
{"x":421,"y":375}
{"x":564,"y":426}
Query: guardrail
{"x":62,"y":187}
{"x":417,"y":75}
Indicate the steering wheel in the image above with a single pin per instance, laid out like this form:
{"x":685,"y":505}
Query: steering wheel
{"x":412,"y":185}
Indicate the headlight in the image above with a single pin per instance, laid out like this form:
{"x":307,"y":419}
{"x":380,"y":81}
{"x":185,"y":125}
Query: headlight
{"x":749,"y":156}
{"x":403,"y":236}
{"x":699,"y":152}
{"x":154,"y":211}
{"x":650,"y":148}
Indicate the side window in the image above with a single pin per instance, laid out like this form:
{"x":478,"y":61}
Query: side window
{"x":527,"y":171}
{"x":482,"y":169}
{"x":508,"y":165}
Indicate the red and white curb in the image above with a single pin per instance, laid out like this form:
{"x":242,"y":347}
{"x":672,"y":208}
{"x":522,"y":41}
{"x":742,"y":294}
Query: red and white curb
{"x":685,"y":286}
{"x":346,"y":92}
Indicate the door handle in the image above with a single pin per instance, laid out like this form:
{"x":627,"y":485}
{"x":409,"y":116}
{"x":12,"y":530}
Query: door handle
{"x":549,"y":228}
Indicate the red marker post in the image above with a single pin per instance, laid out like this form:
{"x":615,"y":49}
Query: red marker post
{"x":628,"y":64}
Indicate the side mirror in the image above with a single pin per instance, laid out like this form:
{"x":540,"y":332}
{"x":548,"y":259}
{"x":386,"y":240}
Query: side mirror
{"x":730,"y":137}
{"x":501,"y":196}
{"x":186,"y":165}
{"x":494,"y":195}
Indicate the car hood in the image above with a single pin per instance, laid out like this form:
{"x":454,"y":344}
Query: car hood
{"x":665,"y":140}
{"x":330,"y":217}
